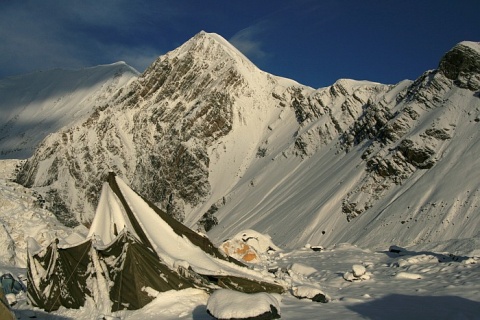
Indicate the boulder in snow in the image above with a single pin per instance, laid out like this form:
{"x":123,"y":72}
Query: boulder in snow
{"x":317,"y":248}
{"x":312,"y":293}
{"x":396,"y":249}
{"x":358,"y":273}
{"x":229,"y":304}
{"x":358,"y":270}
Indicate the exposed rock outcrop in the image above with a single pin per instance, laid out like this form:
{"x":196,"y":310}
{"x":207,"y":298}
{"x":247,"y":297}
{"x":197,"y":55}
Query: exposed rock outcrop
{"x":462,"y":65}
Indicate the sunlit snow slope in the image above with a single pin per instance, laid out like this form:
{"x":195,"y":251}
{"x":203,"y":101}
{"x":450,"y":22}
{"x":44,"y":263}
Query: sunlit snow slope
{"x":39,"y":103}
{"x":404,"y":171}
{"x":213,"y":140}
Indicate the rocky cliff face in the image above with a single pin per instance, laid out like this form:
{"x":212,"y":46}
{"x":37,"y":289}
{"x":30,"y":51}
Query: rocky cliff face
{"x":414,"y":132}
{"x":462,"y":65}
{"x":212,"y":139}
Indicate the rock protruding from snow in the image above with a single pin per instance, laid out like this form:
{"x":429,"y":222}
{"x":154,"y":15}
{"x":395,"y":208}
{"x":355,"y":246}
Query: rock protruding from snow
{"x":396,"y":249}
{"x":358,"y":273}
{"x":317,"y":248}
{"x":462,"y":65}
{"x":228,"y":304}
{"x":310,"y":292}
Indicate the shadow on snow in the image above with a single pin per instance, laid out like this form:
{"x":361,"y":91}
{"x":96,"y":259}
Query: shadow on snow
{"x":397,"y":306}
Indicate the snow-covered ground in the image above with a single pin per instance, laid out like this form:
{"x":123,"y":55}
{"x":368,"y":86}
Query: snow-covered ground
{"x":445,"y":290}
{"x":417,"y":283}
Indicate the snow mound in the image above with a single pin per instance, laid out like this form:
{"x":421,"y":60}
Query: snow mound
{"x":418,"y":259}
{"x":301,"y":269}
{"x":170,"y":305}
{"x":228,"y":304}
{"x":358,"y":270}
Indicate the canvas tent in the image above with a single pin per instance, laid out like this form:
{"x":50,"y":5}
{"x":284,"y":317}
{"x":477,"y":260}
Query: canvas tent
{"x":131,"y":248}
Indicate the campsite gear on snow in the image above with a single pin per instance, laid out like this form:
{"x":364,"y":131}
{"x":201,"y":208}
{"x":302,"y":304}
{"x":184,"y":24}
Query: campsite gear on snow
{"x":11,"y":285}
{"x":133,"y":249}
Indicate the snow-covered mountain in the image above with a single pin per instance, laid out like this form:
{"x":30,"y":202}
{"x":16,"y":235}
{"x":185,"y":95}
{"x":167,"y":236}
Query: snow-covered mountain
{"x":214,"y":140}
{"x":37,"y":104}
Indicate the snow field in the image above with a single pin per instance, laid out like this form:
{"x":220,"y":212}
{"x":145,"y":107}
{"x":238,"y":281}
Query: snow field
{"x":447,"y":289}
{"x":390,"y":292}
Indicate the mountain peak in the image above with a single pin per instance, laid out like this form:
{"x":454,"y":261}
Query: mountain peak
{"x":211,"y":47}
{"x":471,"y":44}
{"x":206,"y":62}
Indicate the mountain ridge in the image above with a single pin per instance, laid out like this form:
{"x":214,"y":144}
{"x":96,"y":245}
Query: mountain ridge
{"x":39,"y":103}
{"x":212,"y":139}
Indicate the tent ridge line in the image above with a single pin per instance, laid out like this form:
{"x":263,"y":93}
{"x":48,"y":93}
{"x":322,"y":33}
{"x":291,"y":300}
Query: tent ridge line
{"x":136,"y":226}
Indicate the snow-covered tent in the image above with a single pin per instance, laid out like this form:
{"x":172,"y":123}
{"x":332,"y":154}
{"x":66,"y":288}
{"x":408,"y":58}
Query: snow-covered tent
{"x":132,"y":250}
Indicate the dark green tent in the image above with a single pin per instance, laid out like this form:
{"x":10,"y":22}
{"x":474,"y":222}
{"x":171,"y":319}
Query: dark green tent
{"x":132,"y":247}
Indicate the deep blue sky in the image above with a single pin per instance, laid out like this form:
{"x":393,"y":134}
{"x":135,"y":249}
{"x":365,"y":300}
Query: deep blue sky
{"x":314,"y":42}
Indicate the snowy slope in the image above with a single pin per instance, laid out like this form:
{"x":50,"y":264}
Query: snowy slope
{"x":305,"y":202}
{"x":212,"y":139}
{"x":36,"y":104}
{"x":22,"y":216}
{"x":404,"y":171}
